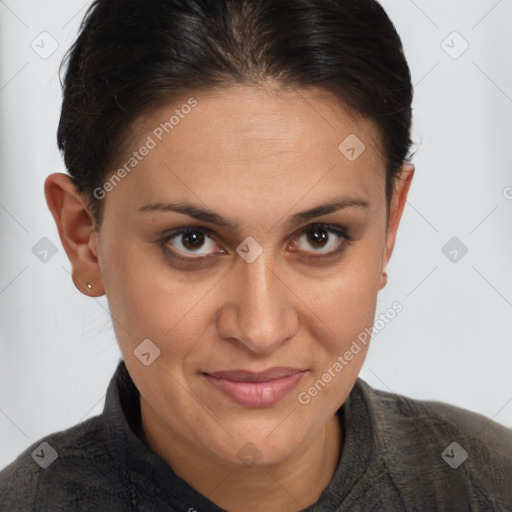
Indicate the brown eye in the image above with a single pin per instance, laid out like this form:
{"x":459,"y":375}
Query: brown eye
{"x":322,"y":239}
{"x":192,"y":240}
{"x":317,"y":237}
{"x":190,"y":243}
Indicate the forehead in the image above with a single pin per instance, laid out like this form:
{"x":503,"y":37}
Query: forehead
{"x":254,"y":140}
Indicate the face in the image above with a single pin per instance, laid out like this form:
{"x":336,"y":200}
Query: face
{"x":265,"y":288}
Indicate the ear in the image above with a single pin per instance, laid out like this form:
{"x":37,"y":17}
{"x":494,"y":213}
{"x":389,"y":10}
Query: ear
{"x":77,"y":232}
{"x":396,"y":209}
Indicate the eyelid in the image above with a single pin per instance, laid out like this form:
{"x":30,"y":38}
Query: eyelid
{"x":339,"y":231}
{"x":173,"y":233}
{"x":332,"y":228}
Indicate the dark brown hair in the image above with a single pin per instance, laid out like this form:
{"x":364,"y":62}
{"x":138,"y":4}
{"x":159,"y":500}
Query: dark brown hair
{"x":132,"y":56}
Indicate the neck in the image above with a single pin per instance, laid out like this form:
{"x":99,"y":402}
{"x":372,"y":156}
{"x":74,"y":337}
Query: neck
{"x":288,"y":486}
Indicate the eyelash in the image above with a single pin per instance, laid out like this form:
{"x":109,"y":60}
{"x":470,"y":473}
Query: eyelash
{"x":330,"y":228}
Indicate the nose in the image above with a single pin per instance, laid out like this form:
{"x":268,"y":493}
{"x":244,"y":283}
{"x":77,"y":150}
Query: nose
{"x":258,"y":309}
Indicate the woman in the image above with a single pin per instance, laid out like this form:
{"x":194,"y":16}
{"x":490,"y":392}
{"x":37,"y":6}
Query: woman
{"x":238,"y":171}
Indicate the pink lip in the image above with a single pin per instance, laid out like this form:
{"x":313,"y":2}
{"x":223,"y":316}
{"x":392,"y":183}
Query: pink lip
{"x":256,"y":389}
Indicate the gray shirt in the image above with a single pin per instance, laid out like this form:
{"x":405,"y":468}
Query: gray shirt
{"x":398,"y":454}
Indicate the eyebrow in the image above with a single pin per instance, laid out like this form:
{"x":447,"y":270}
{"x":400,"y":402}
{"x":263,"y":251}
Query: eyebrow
{"x":206,"y":215}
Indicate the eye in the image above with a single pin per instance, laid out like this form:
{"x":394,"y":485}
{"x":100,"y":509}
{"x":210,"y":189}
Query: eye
{"x":196,"y":243}
{"x":318,"y":237}
{"x":193,"y":242}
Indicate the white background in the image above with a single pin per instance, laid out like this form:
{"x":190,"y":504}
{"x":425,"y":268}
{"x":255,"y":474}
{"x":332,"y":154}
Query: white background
{"x":453,"y":340}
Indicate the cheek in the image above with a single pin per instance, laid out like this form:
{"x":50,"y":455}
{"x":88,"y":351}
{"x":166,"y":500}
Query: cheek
{"x":347,"y":315}
{"x":147,"y":302}
{"x":344,"y":310}
{"x":345,"y":300}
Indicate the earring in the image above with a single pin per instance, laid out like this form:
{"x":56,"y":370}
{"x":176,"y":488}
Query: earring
{"x":89,"y":285}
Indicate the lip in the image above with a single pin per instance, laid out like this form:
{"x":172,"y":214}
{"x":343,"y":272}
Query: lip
{"x":256,"y":389}
{"x":247,"y":376}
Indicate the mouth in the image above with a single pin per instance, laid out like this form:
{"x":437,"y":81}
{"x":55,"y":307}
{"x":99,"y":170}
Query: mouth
{"x":251,"y":389}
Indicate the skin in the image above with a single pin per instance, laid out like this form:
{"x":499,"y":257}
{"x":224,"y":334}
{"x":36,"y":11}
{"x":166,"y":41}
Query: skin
{"x":255,"y":155}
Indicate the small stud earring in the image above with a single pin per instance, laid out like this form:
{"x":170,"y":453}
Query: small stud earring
{"x":89,"y":285}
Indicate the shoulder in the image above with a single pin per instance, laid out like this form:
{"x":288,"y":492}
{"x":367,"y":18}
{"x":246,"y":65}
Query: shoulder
{"x":54,"y":468}
{"x":445,"y":447}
